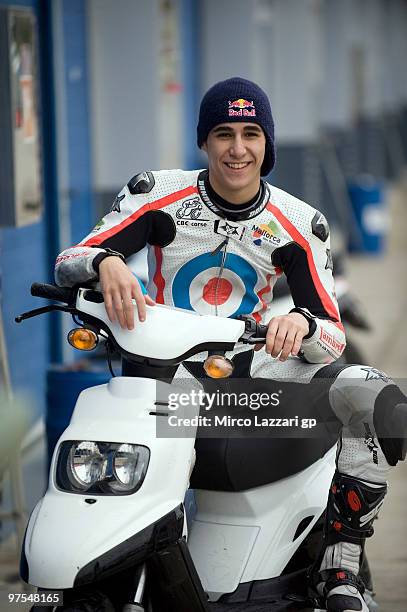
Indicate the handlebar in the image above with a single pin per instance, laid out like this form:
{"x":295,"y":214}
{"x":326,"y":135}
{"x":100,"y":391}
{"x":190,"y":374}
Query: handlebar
{"x":254,"y":333}
{"x":52,"y":292}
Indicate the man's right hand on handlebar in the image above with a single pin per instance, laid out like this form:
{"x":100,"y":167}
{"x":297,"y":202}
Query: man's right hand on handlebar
{"x":119,"y":287}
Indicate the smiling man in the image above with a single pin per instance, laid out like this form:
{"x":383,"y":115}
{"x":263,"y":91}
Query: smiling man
{"x":235,"y":156}
{"x":218,"y":239}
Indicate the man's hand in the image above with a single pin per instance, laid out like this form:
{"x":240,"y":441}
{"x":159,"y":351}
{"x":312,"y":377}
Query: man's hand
{"x":119,"y":287}
{"x":285,"y":334}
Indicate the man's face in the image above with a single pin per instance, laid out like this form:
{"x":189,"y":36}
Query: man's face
{"x":235,"y":154}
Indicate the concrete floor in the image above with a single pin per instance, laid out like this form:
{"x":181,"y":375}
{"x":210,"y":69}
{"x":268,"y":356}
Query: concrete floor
{"x":381,"y":285}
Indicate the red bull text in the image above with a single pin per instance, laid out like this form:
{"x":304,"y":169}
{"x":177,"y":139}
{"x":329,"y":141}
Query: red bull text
{"x":242,"y":108}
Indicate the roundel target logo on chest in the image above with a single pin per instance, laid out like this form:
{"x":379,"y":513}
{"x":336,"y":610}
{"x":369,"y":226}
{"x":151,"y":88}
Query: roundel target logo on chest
{"x":201,"y":284}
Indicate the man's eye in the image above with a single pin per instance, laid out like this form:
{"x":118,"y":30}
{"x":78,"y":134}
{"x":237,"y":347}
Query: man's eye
{"x":223,"y":134}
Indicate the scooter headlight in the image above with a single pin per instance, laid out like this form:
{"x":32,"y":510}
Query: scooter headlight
{"x":87,"y":465}
{"x":101,"y":468}
{"x":129,"y":463}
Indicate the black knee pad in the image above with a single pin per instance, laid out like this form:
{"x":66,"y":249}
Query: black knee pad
{"x":352,"y":507}
{"x":390,"y":423}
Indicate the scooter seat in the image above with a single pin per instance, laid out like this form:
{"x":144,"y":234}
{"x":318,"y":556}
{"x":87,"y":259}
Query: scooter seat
{"x":238,"y":464}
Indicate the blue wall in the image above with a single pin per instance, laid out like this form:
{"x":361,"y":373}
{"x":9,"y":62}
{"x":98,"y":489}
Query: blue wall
{"x":77,"y":118}
{"x":22,"y":253}
{"x":23,"y":260}
{"x":27,"y":254}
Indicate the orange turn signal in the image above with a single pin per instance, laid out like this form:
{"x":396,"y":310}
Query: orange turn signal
{"x":218,"y":366}
{"x":82,"y":339}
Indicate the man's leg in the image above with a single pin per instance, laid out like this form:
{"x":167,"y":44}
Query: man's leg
{"x":373,"y":411}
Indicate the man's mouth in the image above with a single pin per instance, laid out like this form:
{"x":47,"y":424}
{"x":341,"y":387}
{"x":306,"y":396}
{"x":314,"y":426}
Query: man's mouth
{"x":237,"y":165}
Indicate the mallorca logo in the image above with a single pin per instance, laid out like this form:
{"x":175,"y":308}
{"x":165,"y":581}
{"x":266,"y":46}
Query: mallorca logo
{"x":265,"y":232}
{"x":242,"y":108}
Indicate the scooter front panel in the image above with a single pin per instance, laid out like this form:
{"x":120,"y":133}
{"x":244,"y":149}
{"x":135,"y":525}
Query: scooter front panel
{"x":67,"y":533}
{"x":274,"y":511}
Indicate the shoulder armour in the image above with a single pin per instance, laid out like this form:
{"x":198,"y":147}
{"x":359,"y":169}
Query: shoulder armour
{"x":320,"y":227}
{"x":141,"y":183}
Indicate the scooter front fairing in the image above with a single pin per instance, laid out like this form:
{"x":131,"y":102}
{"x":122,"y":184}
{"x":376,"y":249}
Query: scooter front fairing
{"x":68,"y":531}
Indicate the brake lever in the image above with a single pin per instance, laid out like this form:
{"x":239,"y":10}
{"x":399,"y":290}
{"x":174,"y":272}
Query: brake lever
{"x":39,"y":311}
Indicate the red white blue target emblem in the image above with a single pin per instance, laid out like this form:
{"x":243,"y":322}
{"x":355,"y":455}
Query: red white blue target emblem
{"x":197,"y":285}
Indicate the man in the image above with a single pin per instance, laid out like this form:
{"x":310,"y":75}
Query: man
{"x":217,"y":241}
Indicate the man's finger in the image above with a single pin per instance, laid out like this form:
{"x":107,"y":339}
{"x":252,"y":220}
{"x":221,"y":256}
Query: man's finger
{"x":141,"y":306}
{"x":118,"y":307}
{"x":149,"y":300}
{"x":128,"y":309}
{"x":109,"y":307}
{"x":279,"y":340}
{"x":288,"y":344}
{"x":271,"y":334}
{"x":297,"y":343}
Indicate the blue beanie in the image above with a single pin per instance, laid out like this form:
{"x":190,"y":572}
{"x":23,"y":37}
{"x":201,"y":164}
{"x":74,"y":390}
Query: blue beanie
{"x":240,"y":100}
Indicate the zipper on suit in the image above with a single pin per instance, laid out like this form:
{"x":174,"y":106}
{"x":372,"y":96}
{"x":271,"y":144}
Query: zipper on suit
{"x":223,"y":245}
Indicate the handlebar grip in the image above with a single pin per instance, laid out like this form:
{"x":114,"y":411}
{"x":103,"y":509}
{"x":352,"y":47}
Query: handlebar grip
{"x":52,"y":292}
{"x":261,"y":331}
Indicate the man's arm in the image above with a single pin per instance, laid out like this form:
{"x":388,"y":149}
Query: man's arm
{"x":307,"y":264}
{"x":125,"y":230}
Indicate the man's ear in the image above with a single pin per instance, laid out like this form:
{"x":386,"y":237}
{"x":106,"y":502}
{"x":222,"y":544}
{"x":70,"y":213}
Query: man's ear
{"x":204,"y":147}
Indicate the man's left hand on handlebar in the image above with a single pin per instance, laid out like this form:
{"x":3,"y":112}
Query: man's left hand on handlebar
{"x":285,"y":335}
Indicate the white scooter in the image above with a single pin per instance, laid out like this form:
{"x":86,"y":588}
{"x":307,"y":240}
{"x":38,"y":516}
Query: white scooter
{"x":111,"y":531}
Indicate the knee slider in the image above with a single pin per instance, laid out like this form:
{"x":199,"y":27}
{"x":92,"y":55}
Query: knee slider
{"x":352,"y":507}
{"x":390,"y":423}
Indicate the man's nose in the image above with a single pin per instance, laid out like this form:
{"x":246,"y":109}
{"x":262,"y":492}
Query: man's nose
{"x":238,"y":148}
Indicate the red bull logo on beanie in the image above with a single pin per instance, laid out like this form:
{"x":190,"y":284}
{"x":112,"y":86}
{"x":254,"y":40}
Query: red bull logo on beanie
{"x":242,"y":108}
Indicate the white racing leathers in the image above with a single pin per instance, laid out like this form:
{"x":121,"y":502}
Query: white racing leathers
{"x":200,"y":259}
{"x":216,"y":259}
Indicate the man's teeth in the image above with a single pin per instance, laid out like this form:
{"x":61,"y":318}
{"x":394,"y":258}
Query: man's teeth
{"x":237,"y":166}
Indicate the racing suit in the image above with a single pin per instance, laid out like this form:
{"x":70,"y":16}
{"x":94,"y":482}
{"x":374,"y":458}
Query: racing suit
{"x":201,"y":260}
{"x":224,"y":260}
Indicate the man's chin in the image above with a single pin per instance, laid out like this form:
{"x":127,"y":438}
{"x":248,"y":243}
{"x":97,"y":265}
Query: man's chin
{"x":237,"y":183}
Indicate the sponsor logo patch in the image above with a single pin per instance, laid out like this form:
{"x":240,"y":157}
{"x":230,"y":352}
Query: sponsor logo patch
{"x":225,"y":228}
{"x":190,"y":213}
{"x":329,"y":341}
{"x":241,"y":108}
{"x":374,"y":374}
{"x":266,"y":232}
{"x":62,"y":258}
{"x":370,"y":443}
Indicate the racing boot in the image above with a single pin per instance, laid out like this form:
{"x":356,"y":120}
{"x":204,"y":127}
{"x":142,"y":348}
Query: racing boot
{"x":352,"y":507}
